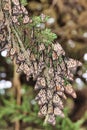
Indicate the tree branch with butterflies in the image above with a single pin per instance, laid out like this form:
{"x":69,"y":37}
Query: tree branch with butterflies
{"x":37,"y":54}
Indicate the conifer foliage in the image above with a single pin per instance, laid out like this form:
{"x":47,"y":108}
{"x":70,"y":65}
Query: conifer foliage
{"x":38,"y":55}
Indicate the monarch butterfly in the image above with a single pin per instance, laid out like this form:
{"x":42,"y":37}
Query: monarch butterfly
{"x":61,"y":94}
{"x":24,"y":10}
{"x":42,"y":100}
{"x":15,"y":10}
{"x":51,"y":72}
{"x":41,"y":97}
{"x":6,"y":7}
{"x":13,"y":51}
{"x":69,"y":90}
{"x":58,"y":112}
{"x":42,"y":92}
{"x":41,"y":83}
{"x":16,"y":2}
{"x":51,"y":119}
{"x":51,"y":84}
{"x":49,"y":94}
{"x":54,"y":56}
{"x":28,"y":72}
{"x":41,"y":66}
{"x":26,"y":68}
{"x":14,"y":19}
{"x":41,"y":47}
{"x":26,"y":19}
{"x":59,"y":79}
{"x":20,"y":68}
{"x":43,"y":110}
{"x":57,"y":101}
{"x":71,"y":63}
{"x":57,"y":48}
{"x":50,"y":107}
{"x":2,"y":38}
{"x":63,"y":66}
{"x":59,"y":88}
{"x":21,"y":57}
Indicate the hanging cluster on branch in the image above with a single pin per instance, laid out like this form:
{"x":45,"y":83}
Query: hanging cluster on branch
{"x":32,"y":46}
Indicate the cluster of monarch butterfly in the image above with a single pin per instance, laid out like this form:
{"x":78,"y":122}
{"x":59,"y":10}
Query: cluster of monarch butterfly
{"x":50,"y":67}
{"x":3,"y":36}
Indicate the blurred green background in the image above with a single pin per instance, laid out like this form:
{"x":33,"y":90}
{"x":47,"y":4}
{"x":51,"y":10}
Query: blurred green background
{"x":18,"y":109}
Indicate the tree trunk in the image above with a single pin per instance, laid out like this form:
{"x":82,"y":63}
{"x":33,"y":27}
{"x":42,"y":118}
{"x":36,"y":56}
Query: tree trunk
{"x":17,"y":86}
